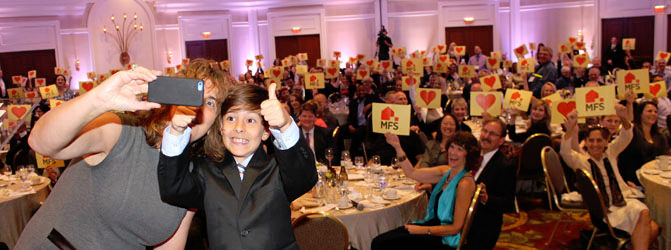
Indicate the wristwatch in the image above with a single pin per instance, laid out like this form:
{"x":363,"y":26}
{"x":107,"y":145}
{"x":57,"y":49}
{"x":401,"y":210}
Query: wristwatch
{"x":401,"y":158}
{"x":428,"y":230}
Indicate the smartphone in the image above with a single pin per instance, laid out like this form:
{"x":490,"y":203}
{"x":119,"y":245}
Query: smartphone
{"x":176,"y":91}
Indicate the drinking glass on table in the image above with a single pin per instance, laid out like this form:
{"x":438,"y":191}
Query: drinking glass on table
{"x":329,"y":155}
{"x":376,"y":161}
{"x":344,"y":157}
{"x":7,"y":171}
{"x":358,"y":161}
{"x":31,"y":169}
{"x":22,"y":172}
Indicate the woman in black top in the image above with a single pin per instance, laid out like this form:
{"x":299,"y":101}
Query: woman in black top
{"x":539,"y":122}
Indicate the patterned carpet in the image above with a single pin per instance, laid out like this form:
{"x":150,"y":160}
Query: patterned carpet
{"x":531,"y":229}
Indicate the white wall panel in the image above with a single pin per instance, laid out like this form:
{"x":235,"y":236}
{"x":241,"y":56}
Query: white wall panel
{"x":415,"y":33}
{"x":351,"y":37}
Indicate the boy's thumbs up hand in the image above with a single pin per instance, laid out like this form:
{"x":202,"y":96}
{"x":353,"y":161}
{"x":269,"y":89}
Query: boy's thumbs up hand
{"x":273,"y":112}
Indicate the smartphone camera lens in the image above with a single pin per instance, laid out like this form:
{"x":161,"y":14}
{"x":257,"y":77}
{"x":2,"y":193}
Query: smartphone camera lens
{"x":200,"y":86}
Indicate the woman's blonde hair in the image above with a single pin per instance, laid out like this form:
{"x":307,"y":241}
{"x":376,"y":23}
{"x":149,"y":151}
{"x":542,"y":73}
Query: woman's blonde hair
{"x":546,"y":107}
{"x":154,"y":121}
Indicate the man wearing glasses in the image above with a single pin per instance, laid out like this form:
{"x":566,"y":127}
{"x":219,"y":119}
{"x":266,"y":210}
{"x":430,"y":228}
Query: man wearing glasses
{"x":497,"y":176}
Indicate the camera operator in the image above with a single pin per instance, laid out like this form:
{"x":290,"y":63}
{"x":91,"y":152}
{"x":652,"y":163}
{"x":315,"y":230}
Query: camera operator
{"x":383,"y":43}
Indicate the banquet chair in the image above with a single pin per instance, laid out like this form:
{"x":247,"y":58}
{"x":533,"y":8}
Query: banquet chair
{"x":598,"y":211}
{"x":320,"y":230}
{"x":470,"y":214}
{"x":530,"y":166}
{"x":554,"y":174}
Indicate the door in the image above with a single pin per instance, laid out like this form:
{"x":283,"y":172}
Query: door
{"x":19,"y":63}
{"x":292,"y":45}
{"x":209,"y":49}
{"x":640,"y":28}
{"x":471,"y":36}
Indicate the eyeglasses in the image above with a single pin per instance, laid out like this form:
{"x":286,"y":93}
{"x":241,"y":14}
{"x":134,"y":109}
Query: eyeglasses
{"x":487,"y":132}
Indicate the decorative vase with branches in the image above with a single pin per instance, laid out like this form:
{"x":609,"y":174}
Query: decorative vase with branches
{"x":123,"y":33}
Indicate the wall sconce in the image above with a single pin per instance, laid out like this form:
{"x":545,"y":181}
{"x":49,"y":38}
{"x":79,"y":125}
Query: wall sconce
{"x":207,"y":35}
{"x":77,"y":64}
{"x":296,"y":30}
{"x":580,"y":34}
{"x":469,"y":20}
{"x":659,"y":9}
{"x":169,"y":57}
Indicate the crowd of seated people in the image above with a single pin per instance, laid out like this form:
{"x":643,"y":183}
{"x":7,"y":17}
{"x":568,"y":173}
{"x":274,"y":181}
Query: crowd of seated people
{"x":437,"y":133}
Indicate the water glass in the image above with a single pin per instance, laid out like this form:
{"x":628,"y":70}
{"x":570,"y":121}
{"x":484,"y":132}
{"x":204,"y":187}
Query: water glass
{"x":358,"y":161}
{"x":376,"y":161}
{"x":30,"y":168}
{"x":22,"y":172}
{"x":6,"y":171}
{"x":382,"y":182}
{"x":344,"y":156}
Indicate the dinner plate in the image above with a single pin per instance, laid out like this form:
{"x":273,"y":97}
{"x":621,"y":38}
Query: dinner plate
{"x":665,"y":175}
{"x":391,"y":199}
{"x":651,"y":171}
{"x":349,"y":204}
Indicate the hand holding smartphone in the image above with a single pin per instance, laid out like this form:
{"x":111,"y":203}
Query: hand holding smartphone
{"x":176,"y":91}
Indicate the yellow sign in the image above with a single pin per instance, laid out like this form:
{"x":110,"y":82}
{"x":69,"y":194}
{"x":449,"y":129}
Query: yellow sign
{"x":168,"y":71}
{"x":15,"y":93}
{"x":507,"y":64}
{"x":460,"y":50}
{"x":17,"y":112}
{"x":46,"y":162}
{"x":54,"y":103}
{"x":564,"y":48}
{"x":301,"y":69}
{"x":86,"y":86}
{"x":490,"y":82}
{"x":561,"y":108}
{"x":302,"y":56}
{"x":225,"y":64}
{"x":495,"y":54}
{"x":518,"y":99}
{"x":489,"y":102}
{"x":440,"y":67}
{"x":49,"y":91}
{"x":334,"y":63}
{"x":521,"y":51}
{"x":32,"y":94}
{"x":276,"y":73}
{"x":391,"y":118}
{"x":58,"y":71}
{"x":314,"y":81}
{"x":655,"y":89}
{"x":580,"y":61}
{"x":321,"y":63}
{"x":595,"y":101}
{"x":362,"y":74}
{"x":428,"y":98}
{"x":634,"y":80}
{"x":629,"y":44}
{"x":387,"y":65}
{"x":331,"y":73}
{"x":493,"y":63}
{"x":466,"y":71}
{"x":440,"y":49}
{"x":40,"y":82}
{"x":412,"y":65}
{"x":401,"y":52}
{"x":663,"y":55}
{"x":526,"y":65}
{"x":406,"y":81}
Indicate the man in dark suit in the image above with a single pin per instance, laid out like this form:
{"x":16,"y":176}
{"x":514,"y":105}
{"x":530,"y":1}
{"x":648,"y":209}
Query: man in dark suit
{"x":497,"y":175}
{"x":614,"y":55}
{"x":318,"y":138}
{"x":359,"y":109}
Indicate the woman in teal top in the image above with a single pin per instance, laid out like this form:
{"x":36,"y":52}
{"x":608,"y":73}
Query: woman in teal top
{"x":448,"y":205}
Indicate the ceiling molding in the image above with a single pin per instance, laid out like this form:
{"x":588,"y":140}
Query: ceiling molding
{"x":535,"y":7}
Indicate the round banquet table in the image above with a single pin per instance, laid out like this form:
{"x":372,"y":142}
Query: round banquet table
{"x":657,"y":198}
{"x":15,"y":210}
{"x":363,"y":226}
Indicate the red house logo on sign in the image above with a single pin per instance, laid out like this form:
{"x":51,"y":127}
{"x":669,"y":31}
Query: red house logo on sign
{"x":388,"y":119}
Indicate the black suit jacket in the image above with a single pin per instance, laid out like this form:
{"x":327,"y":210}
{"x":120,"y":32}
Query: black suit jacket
{"x":352,"y":118}
{"x":322,"y":140}
{"x":249,"y":214}
{"x":499,"y":179}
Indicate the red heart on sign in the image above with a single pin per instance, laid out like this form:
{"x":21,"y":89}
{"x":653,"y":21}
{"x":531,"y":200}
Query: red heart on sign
{"x":519,"y":50}
{"x":370,"y":62}
{"x":19,"y":111}
{"x":524,"y":63}
{"x":563,"y":47}
{"x":441,"y":47}
{"x":515,"y":96}
{"x":580,"y":44}
{"x":332,"y":71}
{"x":409,"y":81}
{"x":464,"y":69}
{"x":31,"y":73}
{"x":591,"y":96}
{"x":47,"y":90}
{"x":629,"y":78}
{"x":459,"y":49}
{"x":654,"y":89}
{"x":492,"y":61}
{"x":580,"y":59}
{"x":427,"y":96}
{"x":572,"y":39}
{"x":313,"y":78}
{"x":87,"y":86}
{"x":663,"y":55}
{"x":566,"y":107}
{"x":387,"y":114}
{"x":408,"y":64}
{"x":59,"y":103}
{"x":363,"y":73}
{"x":277,"y":72}
{"x":13,"y":92}
{"x":485,"y":101}
{"x":443,"y":58}
{"x":385,"y":65}
{"x":40,"y":82}
{"x":30,"y":95}
{"x":490,"y":81}
{"x":627,"y":43}
{"x":16,"y":78}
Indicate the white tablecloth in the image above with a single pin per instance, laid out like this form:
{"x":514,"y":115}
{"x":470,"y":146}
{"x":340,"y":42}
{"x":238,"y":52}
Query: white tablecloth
{"x":658,"y":199}
{"x":15,"y":212}
{"x":363,"y":226}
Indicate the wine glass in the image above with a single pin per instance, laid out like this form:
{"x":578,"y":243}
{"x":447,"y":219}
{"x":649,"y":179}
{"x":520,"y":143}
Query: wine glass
{"x":394,"y":163}
{"x":31,"y":169}
{"x":22,"y":172}
{"x":329,"y":155}
{"x":344,"y":156}
{"x":376,"y":161}
{"x":358,"y":161}
{"x":6,"y":171}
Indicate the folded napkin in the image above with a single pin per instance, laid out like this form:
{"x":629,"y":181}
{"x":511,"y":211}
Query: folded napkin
{"x":22,"y":192}
{"x":572,"y":196}
{"x":353,"y":177}
{"x":306,"y":203}
{"x":324,"y":208}
{"x":370,"y":204}
{"x":633,"y":193}
{"x":355,"y":196}
{"x":379,"y":200}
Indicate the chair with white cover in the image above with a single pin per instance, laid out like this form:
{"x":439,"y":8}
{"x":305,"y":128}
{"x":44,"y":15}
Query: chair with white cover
{"x":554,"y":174}
{"x":598,"y":211}
{"x":320,"y":230}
